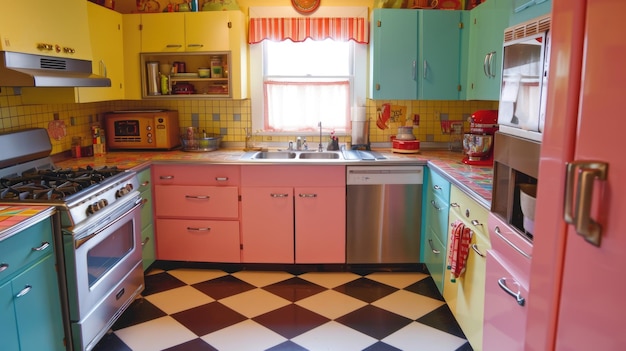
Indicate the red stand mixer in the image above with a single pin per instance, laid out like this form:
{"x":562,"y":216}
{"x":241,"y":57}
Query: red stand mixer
{"x":478,"y":143}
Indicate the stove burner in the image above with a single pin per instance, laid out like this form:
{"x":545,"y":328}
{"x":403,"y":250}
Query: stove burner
{"x":52,"y":184}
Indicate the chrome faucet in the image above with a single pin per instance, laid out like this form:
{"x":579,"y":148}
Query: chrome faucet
{"x":320,"y":148}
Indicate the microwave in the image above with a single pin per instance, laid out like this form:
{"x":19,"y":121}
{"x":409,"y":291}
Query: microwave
{"x":525,"y":64}
{"x":142,"y":129}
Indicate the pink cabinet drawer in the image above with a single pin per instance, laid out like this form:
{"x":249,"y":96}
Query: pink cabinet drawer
{"x":505,"y":316}
{"x":198,"y":240}
{"x":197,"y":201}
{"x":510,"y":245}
{"x":196,"y":174}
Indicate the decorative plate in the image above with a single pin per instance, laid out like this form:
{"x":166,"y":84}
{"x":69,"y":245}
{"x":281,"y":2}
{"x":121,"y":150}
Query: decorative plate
{"x":305,"y":6}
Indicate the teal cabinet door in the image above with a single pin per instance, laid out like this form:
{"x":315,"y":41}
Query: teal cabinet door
{"x":393,"y":51}
{"x":415,"y":54}
{"x":525,"y":10}
{"x":486,"y":26}
{"x":439,"y":52}
{"x":434,"y":239}
{"x":8,"y":323}
{"x":38,"y":309}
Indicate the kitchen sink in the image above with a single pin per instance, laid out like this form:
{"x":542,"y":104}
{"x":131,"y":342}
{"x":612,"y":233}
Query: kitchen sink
{"x":274,"y":155}
{"x":319,"y":155}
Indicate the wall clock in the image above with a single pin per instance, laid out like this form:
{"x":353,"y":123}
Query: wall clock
{"x":305,"y":6}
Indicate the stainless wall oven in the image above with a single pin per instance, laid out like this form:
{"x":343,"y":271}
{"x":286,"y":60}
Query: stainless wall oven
{"x":525,"y":67}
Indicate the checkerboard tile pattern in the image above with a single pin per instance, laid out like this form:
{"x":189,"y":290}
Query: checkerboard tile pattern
{"x":192,"y":309}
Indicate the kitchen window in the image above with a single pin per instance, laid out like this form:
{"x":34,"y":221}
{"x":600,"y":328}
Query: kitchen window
{"x":298,"y":82}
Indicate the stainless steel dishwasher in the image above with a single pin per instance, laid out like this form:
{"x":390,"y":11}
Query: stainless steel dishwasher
{"x":384,"y":213}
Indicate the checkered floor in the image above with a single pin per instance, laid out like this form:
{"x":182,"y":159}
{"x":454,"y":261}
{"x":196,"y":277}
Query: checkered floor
{"x":190,"y":309}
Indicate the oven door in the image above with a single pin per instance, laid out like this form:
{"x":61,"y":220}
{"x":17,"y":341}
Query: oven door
{"x":104,"y":270}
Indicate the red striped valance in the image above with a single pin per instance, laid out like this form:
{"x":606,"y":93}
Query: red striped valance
{"x":301,"y":28}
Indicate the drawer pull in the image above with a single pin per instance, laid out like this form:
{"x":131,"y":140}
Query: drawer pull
{"x":432,"y":202}
{"x":221,"y":179}
{"x":454,"y":204}
{"x":146,"y":183}
{"x":497,"y":231}
{"x":44,"y":245}
{"x":4,"y":266}
{"x":173,"y":46}
{"x":307,"y":195}
{"x":517,"y":295}
{"x":167,"y":177}
{"x":201,"y":197}
{"x":195,"y":45}
{"x":196,"y":229}
{"x":436,"y":187}
{"x":476,"y":223}
{"x":279,"y":195}
{"x":145,"y":241}
{"x":144,"y":201}
{"x":475,"y":248}
{"x":435,"y":251}
{"x":24,"y":291}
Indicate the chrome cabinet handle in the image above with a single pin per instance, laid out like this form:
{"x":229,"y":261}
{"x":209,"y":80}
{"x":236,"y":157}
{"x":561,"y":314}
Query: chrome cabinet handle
{"x":279,"y":195}
{"x":436,"y":187}
{"x":307,"y":195}
{"x":425,"y":67}
{"x":432,"y":202}
{"x":145,"y":241}
{"x":491,"y":74}
{"x":580,"y":214}
{"x":197,"y":229}
{"x":414,"y":70}
{"x":4,"y":266}
{"x":24,"y":291}
{"x":435,"y":251}
{"x":499,"y":233}
{"x":143,"y":202}
{"x":201,"y":197}
{"x":166,"y":177}
{"x":476,"y":223}
{"x":221,"y":179}
{"x":485,"y":63}
{"x":475,"y":248}
{"x":517,"y":295}
{"x":454,"y":204}
{"x":146,"y":183}
{"x":44,"y":245}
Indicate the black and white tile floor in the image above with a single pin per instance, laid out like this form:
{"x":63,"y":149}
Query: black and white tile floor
{"x":192,"y":309}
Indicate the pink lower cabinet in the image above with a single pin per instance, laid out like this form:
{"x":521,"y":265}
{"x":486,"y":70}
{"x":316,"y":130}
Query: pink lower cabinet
{"x":293,"y":214}
{"x":197,"y":212}
{"x":506,"y":288}
{"x":198,"y":240}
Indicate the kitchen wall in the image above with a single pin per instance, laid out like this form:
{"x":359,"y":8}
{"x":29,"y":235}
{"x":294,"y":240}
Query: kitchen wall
{"x":226,"y":117}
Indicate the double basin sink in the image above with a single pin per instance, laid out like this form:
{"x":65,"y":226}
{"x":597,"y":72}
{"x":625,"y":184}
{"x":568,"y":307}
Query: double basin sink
{"x":353,"y":155}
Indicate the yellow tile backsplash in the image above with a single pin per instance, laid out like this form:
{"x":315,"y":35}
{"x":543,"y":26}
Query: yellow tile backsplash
{"x":225,"y":117}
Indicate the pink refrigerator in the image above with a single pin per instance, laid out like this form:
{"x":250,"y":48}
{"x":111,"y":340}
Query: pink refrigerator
{"x":577,"y":295}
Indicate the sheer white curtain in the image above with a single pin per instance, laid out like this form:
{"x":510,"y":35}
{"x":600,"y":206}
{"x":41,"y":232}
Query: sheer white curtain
{"x":301,"y":105}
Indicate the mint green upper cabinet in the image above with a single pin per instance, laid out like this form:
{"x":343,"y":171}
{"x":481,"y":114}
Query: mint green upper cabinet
{"x":525,"y":10}
{"x":415,"y":54}
{"x":486,"y":35}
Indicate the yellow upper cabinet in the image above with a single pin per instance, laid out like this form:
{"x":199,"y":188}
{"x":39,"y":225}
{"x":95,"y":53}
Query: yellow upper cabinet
{"x":189,"y":31}
{"x":46,"y":27}
{"x":106,"y":35}
{"x":163,"y":32}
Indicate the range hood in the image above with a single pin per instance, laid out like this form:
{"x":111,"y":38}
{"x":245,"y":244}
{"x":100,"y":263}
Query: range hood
{"x":28,"y":70}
